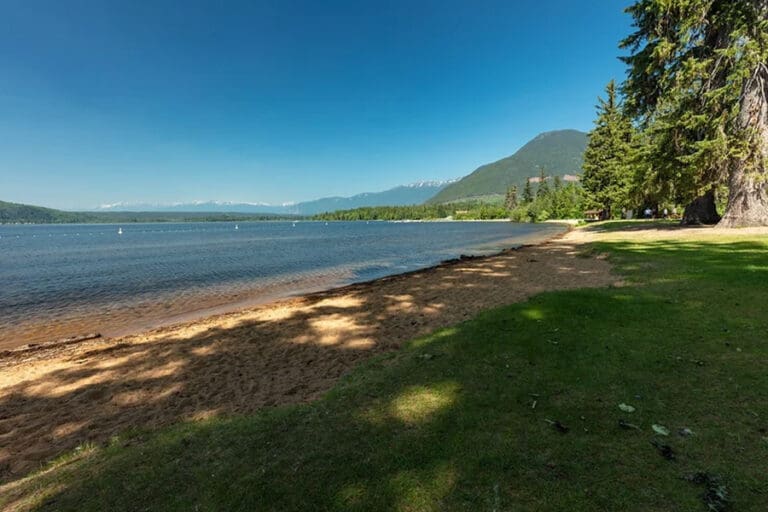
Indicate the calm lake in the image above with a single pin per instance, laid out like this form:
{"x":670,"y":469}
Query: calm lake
{"x":66,"y":280}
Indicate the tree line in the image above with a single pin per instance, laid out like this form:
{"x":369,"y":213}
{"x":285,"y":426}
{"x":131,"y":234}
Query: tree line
{"x":691,"y":127}
{"x":465,"y":210}
{"x":535,"y":203}
{"x":557,"y":200}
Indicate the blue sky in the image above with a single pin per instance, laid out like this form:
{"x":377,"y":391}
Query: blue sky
{"x":165,"y":101}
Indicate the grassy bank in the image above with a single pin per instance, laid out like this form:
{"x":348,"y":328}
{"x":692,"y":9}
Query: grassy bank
{"x":472,"y":418}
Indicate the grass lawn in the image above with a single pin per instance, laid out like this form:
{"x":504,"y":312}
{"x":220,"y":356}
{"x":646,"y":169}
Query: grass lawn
{"x":463,"y":419}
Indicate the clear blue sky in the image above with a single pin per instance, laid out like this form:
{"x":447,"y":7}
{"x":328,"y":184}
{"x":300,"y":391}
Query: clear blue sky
{"x":161,"y":101}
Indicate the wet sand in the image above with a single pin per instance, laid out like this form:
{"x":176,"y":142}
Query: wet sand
{"x":119,"y":320}
{"x":290,"y":351}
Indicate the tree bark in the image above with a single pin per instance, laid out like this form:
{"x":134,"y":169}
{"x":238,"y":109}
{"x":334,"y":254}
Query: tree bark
{"x":748,"y":182}
{"x":701,"y":211}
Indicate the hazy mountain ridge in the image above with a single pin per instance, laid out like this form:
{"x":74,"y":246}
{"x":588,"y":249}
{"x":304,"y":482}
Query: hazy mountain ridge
{"x":195,"y":206}
{"x":558,"y":152}
{"x":404,"y":195}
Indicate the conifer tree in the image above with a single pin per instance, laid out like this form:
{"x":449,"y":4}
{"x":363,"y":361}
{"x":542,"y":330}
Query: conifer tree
{"x":543,"y":190}
{"x":527,"y":192}
{"x":698,"y":83}
{"x":558,"y":199}
{"x":510,"y":201}
{"x":607,"y":163}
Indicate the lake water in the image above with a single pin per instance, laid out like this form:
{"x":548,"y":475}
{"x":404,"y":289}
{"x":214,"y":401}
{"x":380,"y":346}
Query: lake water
{"x":66,"y":280}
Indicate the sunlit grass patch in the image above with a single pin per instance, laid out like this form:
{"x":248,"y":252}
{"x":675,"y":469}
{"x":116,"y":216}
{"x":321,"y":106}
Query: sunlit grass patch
{"x":419,"y":403}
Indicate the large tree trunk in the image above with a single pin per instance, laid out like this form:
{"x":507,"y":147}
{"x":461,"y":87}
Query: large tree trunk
{"x":701,"y":211}
{"x":748,"y":184}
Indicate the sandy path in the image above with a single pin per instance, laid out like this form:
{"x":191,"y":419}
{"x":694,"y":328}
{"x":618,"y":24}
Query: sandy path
{"x":286,"y":352}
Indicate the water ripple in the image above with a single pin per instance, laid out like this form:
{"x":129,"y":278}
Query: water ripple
{"x":64,"y":280}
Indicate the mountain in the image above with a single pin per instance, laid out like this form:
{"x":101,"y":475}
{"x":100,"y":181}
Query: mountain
{"x":405,"y":195}
{"x":197,"y":207}
{"x":558,"y":152}
{"x":15,"y":213}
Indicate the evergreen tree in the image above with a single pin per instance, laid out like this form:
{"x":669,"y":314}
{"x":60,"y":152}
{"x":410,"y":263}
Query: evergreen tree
{"x":558,"y":199}
{"x":607,"y":166}
{"x":543,"y":190}
{"x":527,"y":192}
{"x":698,"y":83}
{"x":510,"y":202}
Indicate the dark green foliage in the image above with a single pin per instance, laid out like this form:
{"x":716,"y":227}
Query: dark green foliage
{"x":561,"y":202}
{"x":697,"y":82}
{"x":565,"y":202}
{"x":18,"y":213}
{"x":666,"y":92}
{"x":510,"y":200}
{"x":543,"y":190}
{"x":527,"y":191}
{"x":560,"y":152}
{"x":430,"y":211}
{"x":608,"y":165}
{"x":557,"y":183}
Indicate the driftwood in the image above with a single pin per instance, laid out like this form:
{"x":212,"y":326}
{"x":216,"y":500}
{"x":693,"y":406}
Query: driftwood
{"x":34,"y":347}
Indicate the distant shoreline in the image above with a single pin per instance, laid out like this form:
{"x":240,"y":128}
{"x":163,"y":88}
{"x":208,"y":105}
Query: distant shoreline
{"x":154,"y":218}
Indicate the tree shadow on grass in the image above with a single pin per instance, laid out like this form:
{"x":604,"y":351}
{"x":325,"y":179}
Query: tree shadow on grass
{"x":690,"y":260}
{"x":638,"y":225}
{"x":449,"y":424}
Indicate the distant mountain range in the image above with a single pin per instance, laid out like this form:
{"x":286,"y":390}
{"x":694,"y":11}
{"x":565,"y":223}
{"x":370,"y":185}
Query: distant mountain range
{"x":405,"y":195}
{"x":558,"y":152}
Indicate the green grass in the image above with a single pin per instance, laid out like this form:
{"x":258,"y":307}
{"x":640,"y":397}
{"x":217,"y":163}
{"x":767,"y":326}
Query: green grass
{"x":633,"y":225}
{"x":448,"y":423}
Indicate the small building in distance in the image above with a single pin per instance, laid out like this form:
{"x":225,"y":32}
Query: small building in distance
{"x":595,"y":215}
{"x":570,"y":178}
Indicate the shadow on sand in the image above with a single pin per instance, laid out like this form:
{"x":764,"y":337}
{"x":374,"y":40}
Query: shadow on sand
{"x":240,"y":363}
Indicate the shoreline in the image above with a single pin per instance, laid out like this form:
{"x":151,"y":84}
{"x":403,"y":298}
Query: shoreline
{"x":248,"y":299}
{"x":286,"y":352}
{"x":220,"y":221}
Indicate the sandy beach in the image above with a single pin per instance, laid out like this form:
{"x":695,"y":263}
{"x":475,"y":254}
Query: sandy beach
{"x":289,"y":351}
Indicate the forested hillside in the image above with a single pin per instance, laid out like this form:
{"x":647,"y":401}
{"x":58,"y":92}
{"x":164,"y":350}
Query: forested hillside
{"x":558,"y":153}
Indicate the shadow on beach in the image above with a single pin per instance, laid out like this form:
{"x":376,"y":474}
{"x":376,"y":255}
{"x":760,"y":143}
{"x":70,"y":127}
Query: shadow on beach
{"x":288,"y":352}
{"x":639,"y":225}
